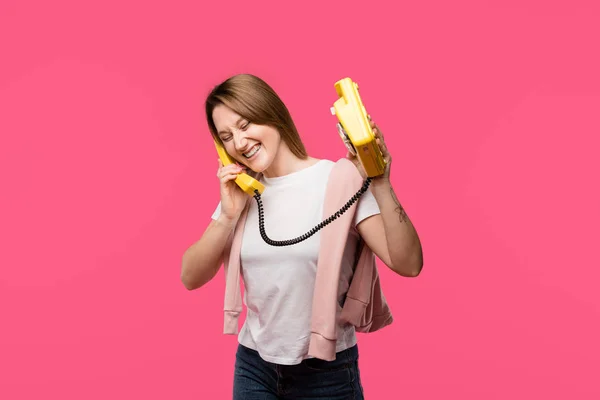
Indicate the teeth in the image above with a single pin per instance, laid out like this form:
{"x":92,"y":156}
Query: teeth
{"x":252,"y":152}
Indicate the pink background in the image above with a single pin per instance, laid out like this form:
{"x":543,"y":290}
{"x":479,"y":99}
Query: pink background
{"x":107,"y":172}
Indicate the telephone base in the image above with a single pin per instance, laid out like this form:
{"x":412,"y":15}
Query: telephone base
{"x":355,"y":129}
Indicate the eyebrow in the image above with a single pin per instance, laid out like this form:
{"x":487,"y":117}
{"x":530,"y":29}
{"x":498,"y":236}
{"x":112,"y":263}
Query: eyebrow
{"x":240,"y":119}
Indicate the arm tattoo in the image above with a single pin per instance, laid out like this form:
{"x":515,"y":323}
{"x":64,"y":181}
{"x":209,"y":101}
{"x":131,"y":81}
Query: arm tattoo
{"x":399,"y":209}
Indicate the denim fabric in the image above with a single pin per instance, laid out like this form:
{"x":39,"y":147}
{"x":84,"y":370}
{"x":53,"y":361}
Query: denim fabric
{"x":257,"y":379}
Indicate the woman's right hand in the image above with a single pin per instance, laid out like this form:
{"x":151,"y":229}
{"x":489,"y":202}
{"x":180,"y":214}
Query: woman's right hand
{"x":233,"y":198}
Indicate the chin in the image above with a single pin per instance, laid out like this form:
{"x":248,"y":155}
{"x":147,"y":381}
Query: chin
{"x":258,"y":166}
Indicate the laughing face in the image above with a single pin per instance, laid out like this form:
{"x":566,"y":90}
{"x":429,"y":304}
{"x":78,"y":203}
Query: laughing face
{"x":250,"y":144}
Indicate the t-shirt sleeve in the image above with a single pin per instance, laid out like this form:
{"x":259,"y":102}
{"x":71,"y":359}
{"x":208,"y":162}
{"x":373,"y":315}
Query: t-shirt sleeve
{"x":366,"y":207}
{"x":217,"y":211}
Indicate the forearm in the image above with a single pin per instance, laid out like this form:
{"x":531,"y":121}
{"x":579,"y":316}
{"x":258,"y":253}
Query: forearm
{"x":403,"y":242}
{"x":202,"y":260}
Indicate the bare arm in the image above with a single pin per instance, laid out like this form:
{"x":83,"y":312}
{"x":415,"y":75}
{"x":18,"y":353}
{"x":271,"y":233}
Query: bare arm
{"x":202,"y":260}
{"x":391,"y":235}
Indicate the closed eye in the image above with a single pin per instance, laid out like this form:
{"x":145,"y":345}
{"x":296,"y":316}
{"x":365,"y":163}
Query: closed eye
{"x":226,"y":135}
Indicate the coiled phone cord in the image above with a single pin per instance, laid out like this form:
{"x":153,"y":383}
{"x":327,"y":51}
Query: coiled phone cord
{"x":261,"y":218}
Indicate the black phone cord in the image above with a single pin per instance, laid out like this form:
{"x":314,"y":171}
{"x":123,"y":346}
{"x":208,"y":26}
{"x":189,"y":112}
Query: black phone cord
{"x":261,"y":218}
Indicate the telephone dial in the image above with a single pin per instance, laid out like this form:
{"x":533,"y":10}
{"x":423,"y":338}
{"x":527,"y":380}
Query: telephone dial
{"x":356,"y":133}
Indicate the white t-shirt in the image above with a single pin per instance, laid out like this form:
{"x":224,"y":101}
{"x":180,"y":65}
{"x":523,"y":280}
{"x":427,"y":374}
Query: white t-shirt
{"x":279,"y":281}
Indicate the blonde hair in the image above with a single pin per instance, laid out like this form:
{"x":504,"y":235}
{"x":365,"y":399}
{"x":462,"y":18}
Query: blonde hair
{"x":253,"y":99}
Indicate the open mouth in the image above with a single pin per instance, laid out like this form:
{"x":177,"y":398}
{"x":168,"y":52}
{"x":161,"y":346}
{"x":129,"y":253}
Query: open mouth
{"x":252,"y":151}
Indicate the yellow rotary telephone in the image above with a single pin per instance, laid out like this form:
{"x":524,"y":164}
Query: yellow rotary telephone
{"x":354,"y":128}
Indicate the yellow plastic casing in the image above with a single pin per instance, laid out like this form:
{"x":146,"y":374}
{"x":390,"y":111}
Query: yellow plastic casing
{"x":353,"y":117}
{"x":247,"y":183}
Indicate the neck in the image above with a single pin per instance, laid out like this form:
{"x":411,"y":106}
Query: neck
{"x":286,"y":163}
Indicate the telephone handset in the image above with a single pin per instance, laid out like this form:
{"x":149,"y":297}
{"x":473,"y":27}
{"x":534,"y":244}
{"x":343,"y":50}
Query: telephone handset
{"x":354,"y":128}
{"x":360,"y":140}
{"x":247,"y":183}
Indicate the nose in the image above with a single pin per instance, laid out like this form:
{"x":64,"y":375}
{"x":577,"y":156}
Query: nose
{"x":239,"y":140}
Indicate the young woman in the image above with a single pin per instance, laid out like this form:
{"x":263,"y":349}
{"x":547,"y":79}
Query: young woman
{"x":256,"y":129}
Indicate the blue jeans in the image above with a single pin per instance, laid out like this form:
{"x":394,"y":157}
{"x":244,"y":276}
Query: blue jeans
{"x":257,"y":379}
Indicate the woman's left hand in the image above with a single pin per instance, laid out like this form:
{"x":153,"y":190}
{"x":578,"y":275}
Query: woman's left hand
{"x":384,"y":150}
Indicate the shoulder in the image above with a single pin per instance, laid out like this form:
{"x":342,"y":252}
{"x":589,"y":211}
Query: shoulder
{"x":323,"y":163}
{"x":340,"y":172}
{"x":342,"y":166}
{"x":319,"y":169}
